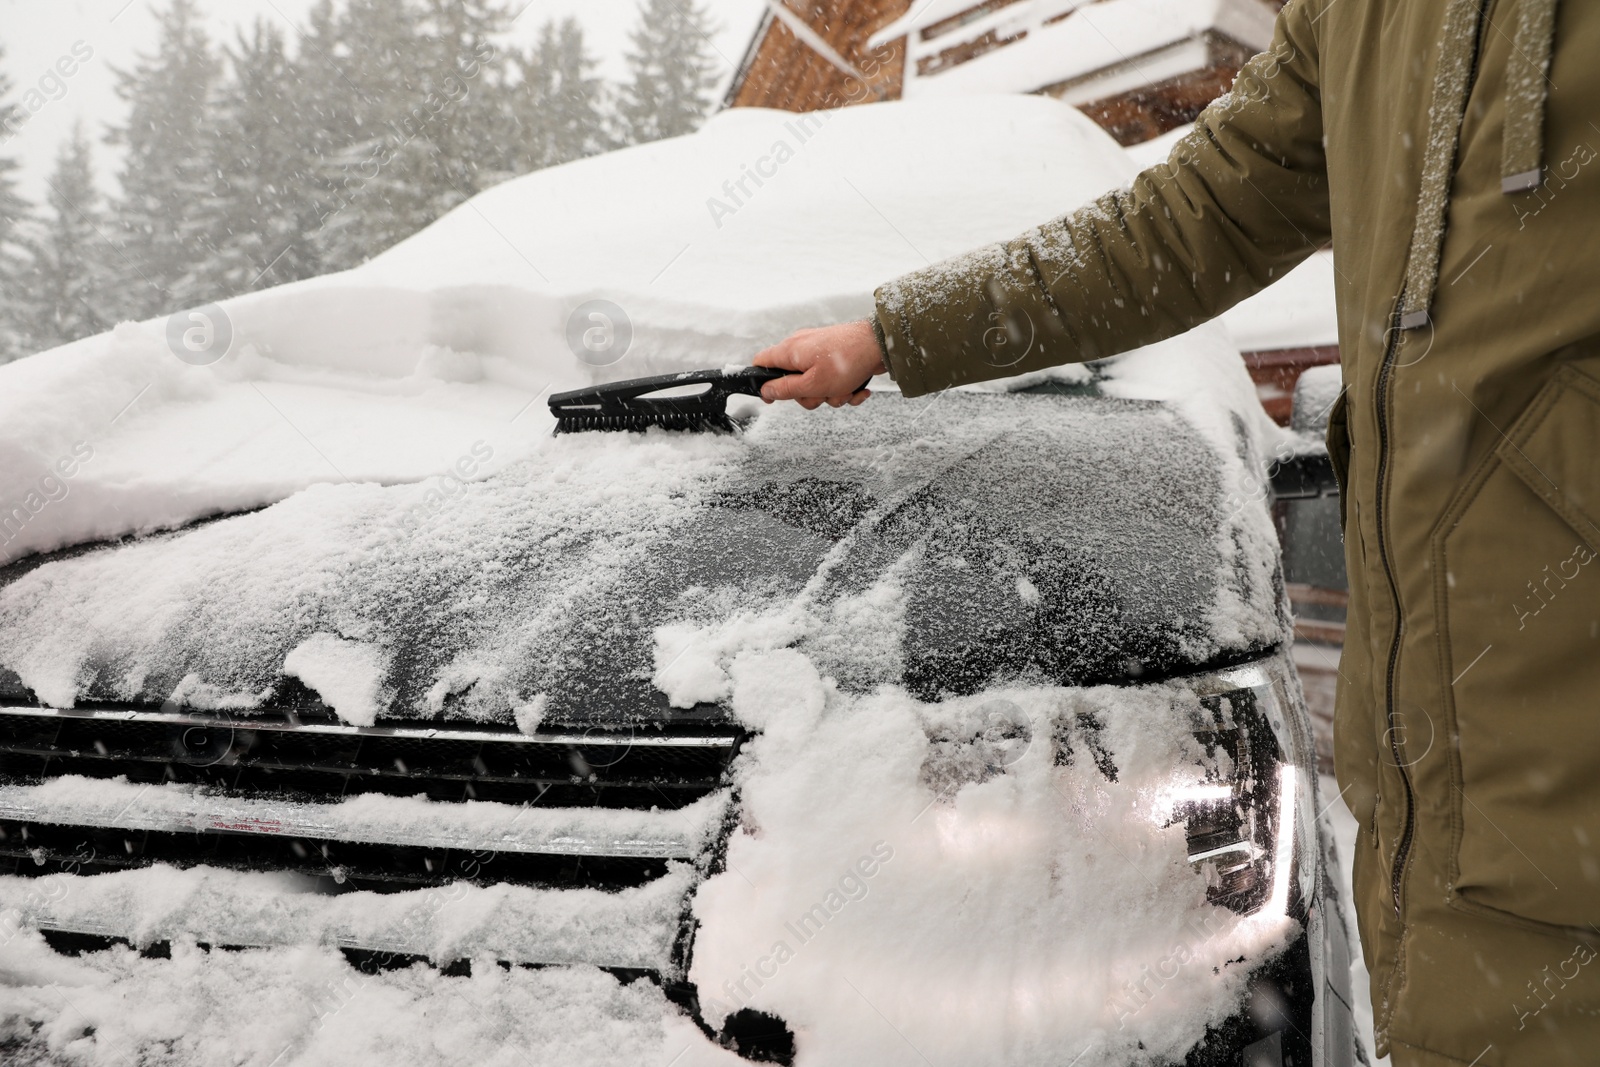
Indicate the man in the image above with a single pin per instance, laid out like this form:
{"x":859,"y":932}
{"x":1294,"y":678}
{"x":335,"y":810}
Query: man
{"x":1450,"y":151}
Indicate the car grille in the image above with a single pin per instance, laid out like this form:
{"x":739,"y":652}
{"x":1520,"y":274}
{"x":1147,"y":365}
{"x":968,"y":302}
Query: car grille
{"x":283,"y":754}
{"x":640,"y":815}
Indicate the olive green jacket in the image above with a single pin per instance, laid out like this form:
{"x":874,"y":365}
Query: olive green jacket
{"x":1457,"y":176}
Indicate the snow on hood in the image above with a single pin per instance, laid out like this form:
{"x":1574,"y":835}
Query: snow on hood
{"x":941,"y":546}
{"x":428,"y":361}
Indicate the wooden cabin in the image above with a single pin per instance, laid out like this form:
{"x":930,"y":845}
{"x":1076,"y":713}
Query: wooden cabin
{"x":1138,"y":67}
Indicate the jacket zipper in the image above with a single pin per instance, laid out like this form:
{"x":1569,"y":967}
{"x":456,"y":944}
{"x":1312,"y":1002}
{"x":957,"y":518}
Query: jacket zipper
{"x":1385,"y":379}
{"x":1385,"y":376}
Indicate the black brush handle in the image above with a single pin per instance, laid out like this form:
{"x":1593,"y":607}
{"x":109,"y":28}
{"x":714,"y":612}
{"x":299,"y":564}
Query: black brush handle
{"x":630,"y":399}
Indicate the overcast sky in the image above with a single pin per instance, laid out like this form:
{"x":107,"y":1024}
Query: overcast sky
{"x":36,"y":33}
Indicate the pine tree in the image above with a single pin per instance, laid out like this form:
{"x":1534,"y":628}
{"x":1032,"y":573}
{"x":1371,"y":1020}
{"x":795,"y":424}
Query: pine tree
{"x":325,"y":112}
{"x":13,"y":209}
{"x":65,"y":281}
{"x":13,"y":214}
{"x":262,"y":201}
{"x":427,"y":82}
{"x":557,"y":109}
{"x":671,"y":72}
{"x":373,"y":173}
{"x":467,"y":79}
{"x":168,"y":167}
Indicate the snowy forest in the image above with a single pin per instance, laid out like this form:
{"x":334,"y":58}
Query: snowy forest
{"x":271,"y":157}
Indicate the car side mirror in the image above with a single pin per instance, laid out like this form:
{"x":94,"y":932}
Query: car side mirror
{"x":1306,"y":471}
{"x":1304,"y":475}
{"x":1306,"y":510}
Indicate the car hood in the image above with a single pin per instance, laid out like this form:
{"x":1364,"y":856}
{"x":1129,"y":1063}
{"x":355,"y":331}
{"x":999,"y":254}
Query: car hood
{"x":940,"y":544}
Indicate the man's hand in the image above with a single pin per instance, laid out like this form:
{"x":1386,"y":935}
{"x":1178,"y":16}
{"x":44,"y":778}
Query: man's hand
{"x":836,"y":362}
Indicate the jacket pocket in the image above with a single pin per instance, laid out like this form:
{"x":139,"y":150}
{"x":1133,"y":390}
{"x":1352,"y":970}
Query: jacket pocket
{"x":1518,"y":578}
{"x":1557,"y":454}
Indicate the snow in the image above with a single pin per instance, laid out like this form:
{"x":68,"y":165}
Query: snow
{"x":1342,"y":828}
{"x":483,"y":590}
{"x":681,"y":833}
{"x":895,"y":920}
{"x":597,"y":571}
{"x":160,"y":442}
{"x":923,"y":13}
{"x":1315,"y":392}
{"x":1092,"y":38}
{"x":1296,"y":311}
{"x":347,"y":675}
{"x":1224,"y":408}
{"x":516,"y":531}
{"x":308,"y":1007}
{"x":1095,"y":504}
{"x":1003,"y":22}
{"x":910,"y":884}
{"x":628,"y":928}
{"x":434,"y":356}
{"x":1147,"y":154}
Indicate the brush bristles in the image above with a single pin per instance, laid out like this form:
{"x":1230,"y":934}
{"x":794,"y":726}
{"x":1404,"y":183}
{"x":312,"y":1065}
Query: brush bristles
{"x":695,"y":422}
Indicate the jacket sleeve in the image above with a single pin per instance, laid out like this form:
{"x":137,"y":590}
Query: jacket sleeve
{"x":1242,"y":199}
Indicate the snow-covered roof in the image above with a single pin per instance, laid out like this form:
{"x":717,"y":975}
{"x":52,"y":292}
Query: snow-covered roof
{"x":1147,"y":154}
{"x":1093,"y":37}
{"x":1004,"y":21}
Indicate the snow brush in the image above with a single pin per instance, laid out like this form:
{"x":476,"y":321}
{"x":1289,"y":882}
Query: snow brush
{"x":628,"y":405}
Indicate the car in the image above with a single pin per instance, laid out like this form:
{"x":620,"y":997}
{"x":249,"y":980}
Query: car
{"x":958,"y":729}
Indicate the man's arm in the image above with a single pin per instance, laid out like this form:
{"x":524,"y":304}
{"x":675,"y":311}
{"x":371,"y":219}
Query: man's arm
{"x":1241,"y":200}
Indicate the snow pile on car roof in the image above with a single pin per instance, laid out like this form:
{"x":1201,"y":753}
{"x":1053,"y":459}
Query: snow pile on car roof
{"x":427,"y":361}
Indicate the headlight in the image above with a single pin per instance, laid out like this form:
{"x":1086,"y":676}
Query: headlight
{"x":1239,"y":812}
